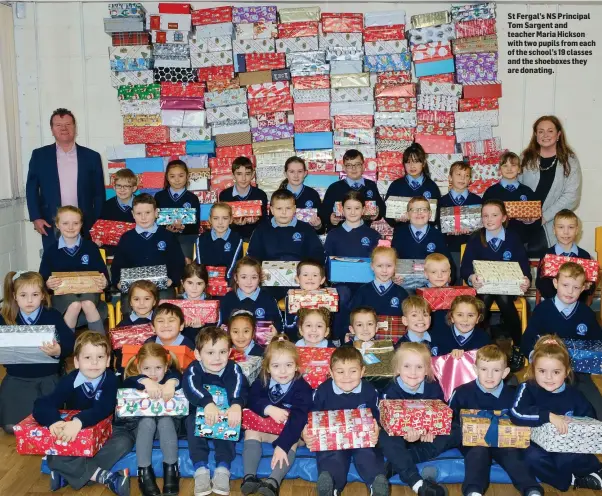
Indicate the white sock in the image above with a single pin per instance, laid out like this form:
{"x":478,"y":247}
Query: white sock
{"x":417,"y":486}
{"x":573,"y":480}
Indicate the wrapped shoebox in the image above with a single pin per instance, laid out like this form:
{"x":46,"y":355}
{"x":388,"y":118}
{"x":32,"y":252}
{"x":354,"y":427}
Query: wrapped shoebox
{"x":139,"y":92}
{"x":309,"y":69}
{"x":351,"y":108}
{"x":126,"y":9}
{"x":246,"y":209}
{"x":393,"y":32}
{"x":444,"y":32}
{"x":586,"y":355}
{"x":135,"y":403}
{"x":253,"y":422}
{"x":280,"y":103}
{"x":437,"y":102}
{"x":387,"y":62}
{"x":369,"y":151}
{"x":155,"y":273}
{"x":446,"y":89}
{"x":212,"y":16}
{"x":200,"y":147}
{"x":212,"y":44}
{"x":131,"y":64}
{"x":220,"y":429}
{"x":340,"y":39}
{"x":20,"y":344}
{"x":119,"y":79}
{"x":183,"y":118}
{"x":395,"y":104}
{"x":395,"y":119}
{"x":214,"y":30}
{"x":474,"y":134}
{"x":171,"y":22}
{"x":477,"y":44}
{"x":270,"y":133}
{"x":175,"y":75}
{"x":303,"y":29}
{"x":384,"y":18}
{"x":311,"y":96}
{"x":225,"y":98}
{"x":436,"y":144}
{"x":251,"y":367}
{"x":177,"y":134}
{"x":279,"y":273}
{"x":424,"y":416}
{"x":142,"y":120}
{"x":477,"y":27}
{"x":472,"y":12}
{"x":389,"y":328}
{"x":431,"y":52}
{"x":109,"y":232}
{"x":397,"y":207}
{"x":171,"y":37}
{"x":306,"y":57}
{"x":165,"y":149}
{"x":341,"y":429}
{"x":135,"y":335}
{"x":139,"y":107}
{"x":340,"y":54}
{"x":255,"y":13}
{"x":264,"y":61}
{"x":227,"y":113}
{"x":342,"y":23}
{"x":523,"y":209}
{"x":499,"y":277}
{"x":412,"y":272}
{"x":121,"y":152}
{"x":318,"y":298}
{"x":395,"y":133}
{"x":340,"y":81}
{"x":168,"y":216}
{"x":269,"y":119}
{"x":550,"y":265}
{"x":311,"y":82}
{"x":484,"y":103}
{"x":479,"y":118}
{"x":299,"y":14}
{"x":312,"y":111}
{"x":452,"y":372}
{"x":480,"y":147}
{"x":171,"y":51}
{"x":255,"y":31}
{"x":347,"y":137}
{"x":241,"y":47}
{"x":492,"y":428}
{"x":378,"y":357}
{"x":297,"y":44}
{"x":146,"y":134}
{"x":347,"y":269}
{"x":457,"y":219}
{"x":123,"y":25}
{"x":314,"y":126}
{"x":352,"y":94}
{"x":33,"y":439}
{"x":430,"y":19}
{"x":313,"y":141}
{"x":198,"y":178}
{"x":442,"y":298}
{"x":473,"y":67}
{"x":120,"y":39}
{"x":314,"y":364}
{"x":583,"y":437}
{"x":77,"y":282}
{"x":377,"y":48}
{"x":212,"y":59}
{"x":231,"y":127}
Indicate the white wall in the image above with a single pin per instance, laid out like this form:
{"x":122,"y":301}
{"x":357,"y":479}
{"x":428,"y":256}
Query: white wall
{"x":62,"y":61}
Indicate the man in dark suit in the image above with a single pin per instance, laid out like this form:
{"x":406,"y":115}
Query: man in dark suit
{"x":63,"y":173}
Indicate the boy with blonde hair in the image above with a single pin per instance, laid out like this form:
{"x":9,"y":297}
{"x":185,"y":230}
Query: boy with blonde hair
{"x":437,"y":270}
{"x":417,"y":319}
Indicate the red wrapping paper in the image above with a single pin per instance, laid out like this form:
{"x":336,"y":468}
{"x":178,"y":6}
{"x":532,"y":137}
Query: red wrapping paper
{"x":454,"y":372}
{"x":224,"y":165}
{"x":174,"y":8}
{"x":395,"y":133}
{"x":318,"y":298}
{"x":223,"y":84}
{"x":109,"y":232}
{"x":253,"y":422}
{"x":480,"y":90}
{"x":395,"y":104}
{"x":389,"y":327}
{"x":390,"y":173}
{"x":550,"y":265}
{"x":340,"y":429}
{"x":425,"y":416}
{"x":313,"y":126}
{"x":391,"y":157}
{"x":436,"y":116}
{"x":280,"y":103}
{"x":215,"y":15}
{"x":217,"y":287}
{"x":436,"y":144}
{"x":478,"y":27}
{"x":133,"y":334}
{"x":244,"y":209}
{"x":271,"y":119}
{"x":33,"y":439}
{"x":206,"y":196}
{"x":311,"y":82}
{"x":135,"y":135}
{"x":182,"y":90}
{"x":312,"y":111}
{"x":216,"y":72}
{"x":353,"y":121}
{"x":298,"y":29}
{"x":129,"y":39}
{"x":438,"y":78}
{"x":342,"y":23}
{"x":441,"y":298}
{"x":166,"y":149}
{"x":480,"y":186}
{"x":207,"y":311}
{"x":396,"y":90}
{"x":470,"y":104}
{"x":265,"y":61}
{"x":315,"y":364}
{"x":394,"y":77}
{"x":151,"y":180}
{"x":267,"y":90}
{"x":314,"y":166}
{"x":384,"y":33}
{"x":428,"y":52}
{"x":234,"y":151}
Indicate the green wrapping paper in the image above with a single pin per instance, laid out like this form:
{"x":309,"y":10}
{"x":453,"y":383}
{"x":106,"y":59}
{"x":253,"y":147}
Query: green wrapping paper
{"x":383,"y":352}
{"x":430,"y":19}
{"x":139,"y":92}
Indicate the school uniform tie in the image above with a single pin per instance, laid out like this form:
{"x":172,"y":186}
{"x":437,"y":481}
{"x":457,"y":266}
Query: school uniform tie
{"x":565,"y":254}
{"x":415,"y":184}
{"x":146,"y":234}
{"x":29,"y":320}
{"x":418,"y":235}
{"x":461,"y":339}
{"x":356,"y":186}
{"x":382,"y":289}
{"x":88,"y":387}
{"x":511,"y":188}
{"x":460,"y":200}
{"x":276,"y":392}
{"x":176,"y":196}
{"x":71,"y":249}
{"x":494,"y":243}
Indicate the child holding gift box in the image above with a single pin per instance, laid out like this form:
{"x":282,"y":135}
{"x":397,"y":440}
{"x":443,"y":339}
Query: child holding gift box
{"x":148,"y":245}
{"x":243,"y":172}
{"x":488,"y":392}
{"x":353,"y":163}
{"x":92,"y":389}
{"x":194,"y":282}
{"x":241,"y":328}
{"x":119,"y":208}
{"x":459,"y":179}
{"x":461,"y":333}
{"x":221,"y":246}
{"x":495,"y":242}
{"x":417,"y":319}
{"x":417,"y":180}
{"x":314,"y":328}
{"x":414,"y":380}
{"x":175,"y":195}
{"x":248,"y":295}
{"x":566,"y":229}
{"x":212,"y":368}
{"x":168,"y":324}
{"x":346,"y":389}
{"x":570,"y":319}
{"x":142,"y":298}
{"x":150,"y":371}
{"x":362,"y":326}
{"x":548,"y":396}
{"x":72,"y":253}
{"x":283,"y":395}
{"x":26,"y":302}
{"x":305,"y":197}
{"x":437,"y":269}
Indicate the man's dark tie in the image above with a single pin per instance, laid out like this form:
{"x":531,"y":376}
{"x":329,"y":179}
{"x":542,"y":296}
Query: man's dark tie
{"x":276,"y":392}
{"x":511,"y":188}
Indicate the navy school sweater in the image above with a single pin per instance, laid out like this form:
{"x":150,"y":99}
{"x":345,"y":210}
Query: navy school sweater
{"x":186,"y":199}
{"x":533,"y":404}
{"x":326,"y":399}
{"x":64,"y":336}
{"x":264,"y":307}
{"x":510,"y":250}
{"x":290,"y":243}
{"x":387,"y":303}
{"x":223,"y":252}
{"x":161,"y":248}
{"x":232,"y":380}
{"x":581,"y":323}
{"x":185,"y":342}
{"x":406,"y":339}
{"x":455,"y":242}
{"x":127,"y":321}
{"x":245,"y":231}
{"x":401,"y":187}
{"x":86,"y":258}
{"x":111,"y":210}
{"x":94,"y":407}
{"x":134,"y":381}
{"x":337,"y":191}
{"x":359,"y":242}
{"x":444,"y":340}
{"x":308,"y":198}
{"x":545,"y":285}
{"x":393,"y":391}
{"x":470,"y":397}
{"x":297,"y":400}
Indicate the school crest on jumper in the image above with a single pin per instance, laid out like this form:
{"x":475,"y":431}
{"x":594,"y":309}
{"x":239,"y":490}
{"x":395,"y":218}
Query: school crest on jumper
{"x":582,"y":329}
{"x":365,"y":241}
{"x":309,"y":204}
{"x":227,"y":247}
{"x":507,"y":255}
{"x":161,"y":245}
{"x":395,"y":302}
{"x":369,"y":193}
{"x":85,"y":259}
{"x":430,"y":247}
{"x":523,"y":197}
{"x":260,"y":313}
{"x":435,"y":350}
{"x":186,"y":205}
{"x":427,"y":194}
{"x":297,"y":236}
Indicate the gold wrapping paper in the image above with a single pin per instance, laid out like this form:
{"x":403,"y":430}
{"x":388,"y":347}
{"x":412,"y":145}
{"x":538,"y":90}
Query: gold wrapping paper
{"x":509,"y":435}
{"x":299,"y":14}
{"x":476,"y":44}
{"x":430,"y":19}
{"x":274,"y":146}
{"x":77,"y":282}
{"x":350,"y":80}
{"x":142,"y":120}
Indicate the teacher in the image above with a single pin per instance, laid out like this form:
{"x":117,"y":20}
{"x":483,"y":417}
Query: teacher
{"x":552,"y":171}
{"x":61,"y":174}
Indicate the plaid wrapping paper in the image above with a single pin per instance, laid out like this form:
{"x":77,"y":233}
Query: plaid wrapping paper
{"x":353,"y":121}
{"x":109,"y":232}
{"x":177,"y":134}
{"x":255,"y":31}
{"x":318,"y":298}
{"x":207,"y":311}
{"x":281,"y":103}
{"x":389,"y":328}
{"x":212,"y":44}
{"x":264,"y":61}
{"x":270,"y":133}
{"x":145,"y":134}
{"x":342,"y":23}
{"x":224,"y":98}
{"x":313,"y":126}
{"x":387,"y":62}
{"x":477,"y":27}
{"x":33,"y":439}
{"x":523,"y":209}
{"x":476,"y":44}
{"x":374,"y":34}
{"x":175,"y":75}
{"x":456,"y":219}
{"x":165,"y":149}
{"x":386,"y":47}
{"x":298,"y":29}
{"x":297,"y":44}
{"x":476,"y":67}
{"x":430,"y":19}
{"x":340,"y":39}
{"x":386,"y":90}
{"x":429,"y":52}
{"x":77,"y":282}
{"x":471,"y":12}
{"x":226,"y":114}
{"x":583,"y":437}
{"x":269,"y":119}
{"x":475,"y":104}
{"x":134,"y":335}
{"x":425,"y":416}
{"x":267,"y":90}
{"x":550,"y":265}
{"x":135,"y":403}
{"x":441,"y":298}
{"x":279,"y":273}
{"x":395,"y":119}
{"x":437,"y":102}
{"x":243,"y":209}
{"x":125,"y":39}
{"x":477,"y":118}
{"x":211,"y":59}
{"x":445,"y":32}
{"x":215,"y":73}
{"x":480,"y":147}
{"x":499,"y":277}
{"x":315,"y":364}
{"x":354,"y":137}
{"x":479,"y":428}
{"x":176,"y":37}
{"x":311,"y":82}
{"x":341,"y":429}
{"x":395,"y":104}
{"x":447,"y":89}
{"x":168,"y":216}
{"x":214,"y":15}
{"x":155,"y":273}
{"x":253,"y":422}
{"x":299,"y":14}
{"x":311,"y":96}
{"x":395,"y":133}
{"x":474,"y":134}
{"x":182,"y":90}
{"x":260,"y":13}
{"x":240,"y":47}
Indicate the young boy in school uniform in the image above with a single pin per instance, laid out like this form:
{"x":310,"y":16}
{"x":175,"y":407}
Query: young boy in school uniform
{"x":566,"y":229}
{"x":346,"y":389}
{"x":417,"y":319}
{"x":92,"y":389}
{"x":437,"y":270}
{"x":243,"y":172}
{"x":362,"y":327}
{"x":148,"y":245}
{"x":488,"y":392}
{"x":353,"y":163}
{"x":119,"y":208}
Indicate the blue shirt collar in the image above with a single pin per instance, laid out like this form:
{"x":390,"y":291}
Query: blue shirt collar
{"x":297,"y":192}
{"x":254,"y":295}
{"x":219,"y":374}
{"x":345,"y":225}
{"x":214,"y":235}
{"x":128,"y":204}
{"x":63,"y":243}
{"x":33,"y":315}
{"x":378,"y":284}
{"x":415,"y":338}
{"x":562,"y":306}
{"x":559,"y":250}
{"x":292,"y":223}
{"x":134,"y":316}
{"x":560,"y":389}
{"x":352,"y":182}
{"x":235,"y":192}
{"x":419,"y":179}
{"x":407,"y":389}
{"x":455,"y":196}
{"x":248,"y":349}
{"x":283,"y":387}
{"x":321,"y":344}
{"x":81,"y":379}
{"x":496,"y":392}
{"x":177,"y":342}
{"x":505,"y":182}
{"x":501,"y":235}
{"x":337,"y":390}
{"x":179,"y":192}
{"x":423,"y":230}
{"x":465,"y":334}
{"x":185,"y":296}
{"x":151,"y":230}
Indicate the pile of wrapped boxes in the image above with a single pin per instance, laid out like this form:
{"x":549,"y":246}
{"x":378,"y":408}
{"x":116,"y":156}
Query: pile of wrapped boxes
{"x":270,"y":83}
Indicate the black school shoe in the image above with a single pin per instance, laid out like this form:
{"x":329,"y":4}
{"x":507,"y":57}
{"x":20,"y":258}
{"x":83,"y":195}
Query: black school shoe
{"x":269,"y":487}
{"x":430,"y":488}
{"x":147,"y":482}
{"x":250,"y":484}
{"x":171,"y":479}
{"x":517,"y":360}
{"x":325,"y":484}
{"x":590,"y":481}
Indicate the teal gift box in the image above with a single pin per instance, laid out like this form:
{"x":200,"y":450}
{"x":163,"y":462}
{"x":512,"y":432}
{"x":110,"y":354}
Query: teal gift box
{"x":435,"y":67}
{"x":167,"y":216}
{"x":221,"y":429}
{"x":314,"y":180}
{"x":313,"y":141}
{"x":205,"y":211}
{"x":140,"y":165}
{"x":346,"y":269}
{"x":200,"y":147}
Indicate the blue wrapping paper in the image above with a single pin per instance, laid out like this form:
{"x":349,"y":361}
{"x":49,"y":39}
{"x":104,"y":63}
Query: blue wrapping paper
{"x":313,"y":141}
{"x":200,"y":147}
{"x":387,"y":62}
{"x":444,"y":66}
{"x":345,"y":269}
{"x":586,"y":355}
{"x":221,"y":429}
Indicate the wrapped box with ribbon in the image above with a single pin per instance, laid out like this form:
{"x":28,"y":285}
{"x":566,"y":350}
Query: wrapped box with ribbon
{"x":452,"y":372}
{"x":315,"y":364}
{"x":454,"y":220}
{"x":492,"y":428}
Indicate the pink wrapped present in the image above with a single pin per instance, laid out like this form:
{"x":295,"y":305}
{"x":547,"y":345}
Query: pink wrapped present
{"x":550,"y":265}
{"x":207,"y":311}
{"x":353,"y":121}
{"x":306,"y":214}
{"x":281,"y":103}
{"x":253,"y":422}
{"x":313,"y":126}
{"x":315,"y":364}
{"x":341,"y":429}
{"x":265,"y":61}
{"x":312,"y":111}
{"x":436,"y":144}
{"x":453,"y":372}
{"x":263,"y":330}
{"x":441,"y":298}
{"x":398,"y":90}
{"x":311,"y":82}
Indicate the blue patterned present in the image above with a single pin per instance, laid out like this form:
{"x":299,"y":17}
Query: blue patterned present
{"x":387,"y":62}
{"x":221,"y":429}
{"x":167,"y":216}
{"x":138,"y":64}
{"x":586,"y":355}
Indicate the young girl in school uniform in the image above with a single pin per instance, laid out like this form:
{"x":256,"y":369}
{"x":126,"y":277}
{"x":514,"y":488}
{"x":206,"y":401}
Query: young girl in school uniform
{"x":496,"y":243}
{"x":26,"y":302}
{"x":548,"y":396}
{"x":143,"y":298}
{"x":175,"y":195}
{"x":283,"y":395}
{"x":73,"y":253}
{"x":314,"y":328}
{"x":305,"y":197}
{"x":241,"y":327}
{"x":150,"y":371}
{"x":194,"y":282}
{"x":248,"y":295}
